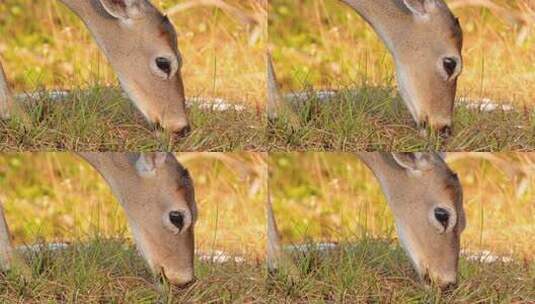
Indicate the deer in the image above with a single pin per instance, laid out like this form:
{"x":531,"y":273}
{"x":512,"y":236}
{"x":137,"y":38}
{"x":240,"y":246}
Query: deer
{"x":426,"y":199}
{"x":141,"y":46}
{"x":425,"y":40}
{"x":158,"y":197}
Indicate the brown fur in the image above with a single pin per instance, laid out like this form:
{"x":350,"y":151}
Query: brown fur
{"x":414,"y":185}
{"x":419,"y":43}
{"x":131,"y":46}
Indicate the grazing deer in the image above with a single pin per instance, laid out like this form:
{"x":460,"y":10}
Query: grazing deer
{"x":425,"y":197}
{"x":157,"y":195}
{"x":425,"y":39}
{"x":141,"y":45}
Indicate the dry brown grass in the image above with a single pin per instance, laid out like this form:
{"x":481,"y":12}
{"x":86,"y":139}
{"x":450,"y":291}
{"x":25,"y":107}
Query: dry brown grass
{"x":59,"y":197}
{"x":45,"y":45}
{"x":331,"y":46}
{"x":333,"y":196}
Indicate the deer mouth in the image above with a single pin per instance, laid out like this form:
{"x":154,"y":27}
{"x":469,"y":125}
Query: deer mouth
{"x":443,"y":131}
{"x":164,"y":280}
{"x":182,"y":133}
{"x":444,"y":286}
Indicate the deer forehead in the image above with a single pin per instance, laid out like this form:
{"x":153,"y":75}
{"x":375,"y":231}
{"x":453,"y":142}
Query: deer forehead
{"x":168,"y":32}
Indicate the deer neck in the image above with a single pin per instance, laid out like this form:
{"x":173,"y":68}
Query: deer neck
{"x":100,"y":24}
{"x":92,"y":14}
{"x":385,"y":170}
{"x":386,"y":17}
{"x":117,"y":169}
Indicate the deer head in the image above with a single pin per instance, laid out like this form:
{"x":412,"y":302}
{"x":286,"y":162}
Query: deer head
{"x":429,"y":61}
{"x":426,"y":40}
{"x":426,"y":199}
{"x":141,"y":46}
{"x":157,"y":195}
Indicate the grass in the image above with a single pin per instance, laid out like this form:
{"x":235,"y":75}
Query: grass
{"x":101,"y":119}
{"x":330,"y":47}
{"x":110,"y":271}
{"x":374,"y":119}
{"x":376,"y":271}
{"x":47,"y":47}
{"x":54,"y":197}
{"x":332,"y":197}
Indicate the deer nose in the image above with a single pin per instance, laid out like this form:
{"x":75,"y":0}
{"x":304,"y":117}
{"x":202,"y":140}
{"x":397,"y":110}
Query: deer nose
{"x":449,"y":286}
{"x":179,"y":128}
{"x":184,"y":284}
{"x":184,"y":132}
{"x":440,"y":125}
{"x":445,"y":281}
{"x":445,"y":131}
{"x":180,"y":280}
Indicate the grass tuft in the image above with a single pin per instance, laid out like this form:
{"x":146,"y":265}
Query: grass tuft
{"x":101,"y":119}
{"x":374,"y":119}
{"x":110,"y":271}
{"x":376,"y":271}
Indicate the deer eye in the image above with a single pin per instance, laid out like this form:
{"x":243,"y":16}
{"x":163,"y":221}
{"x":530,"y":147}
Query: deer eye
{"x":450,"y":65}
{"x":177,"y":219}
{"x":164,"y":65}
{"x":442,"y":216}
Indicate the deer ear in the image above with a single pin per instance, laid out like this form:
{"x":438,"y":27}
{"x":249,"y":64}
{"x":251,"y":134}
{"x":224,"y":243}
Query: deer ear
{"x":124,"y":9}
{"x":148,"y":163}
{"x":420,"y":8}
{"x":416,"y":161}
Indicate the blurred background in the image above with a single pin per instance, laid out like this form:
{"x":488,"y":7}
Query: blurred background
{"x":44,"y":45}
{"x":325,"y":44}
{"x":334,"y":197}
{"x":58,"y":197}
